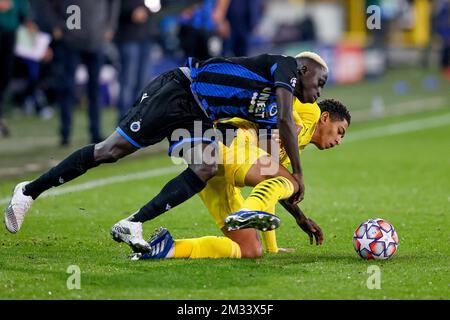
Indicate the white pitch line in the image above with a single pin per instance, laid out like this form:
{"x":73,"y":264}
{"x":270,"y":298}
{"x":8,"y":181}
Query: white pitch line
{"x":107,"y":181}
{"x":393,"y":129}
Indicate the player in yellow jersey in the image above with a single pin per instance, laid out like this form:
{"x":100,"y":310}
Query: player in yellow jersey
{"x":268,"y":191}
{"x":323,"y":125}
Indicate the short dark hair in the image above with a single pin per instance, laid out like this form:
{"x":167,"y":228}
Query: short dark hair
{"x":336,"y":109}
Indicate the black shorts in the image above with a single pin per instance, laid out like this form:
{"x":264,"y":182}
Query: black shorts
{"x":166,"y":104}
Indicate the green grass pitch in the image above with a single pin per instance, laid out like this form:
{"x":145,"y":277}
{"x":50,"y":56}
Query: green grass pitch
{"x":403,"y":178}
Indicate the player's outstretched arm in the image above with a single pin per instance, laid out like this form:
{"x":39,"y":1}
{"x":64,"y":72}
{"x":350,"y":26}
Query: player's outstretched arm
{"x":288,"y":136}
{"x":307,"y":225}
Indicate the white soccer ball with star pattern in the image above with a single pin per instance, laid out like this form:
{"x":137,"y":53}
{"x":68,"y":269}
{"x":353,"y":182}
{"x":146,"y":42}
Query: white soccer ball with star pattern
{"x":375,"y":239}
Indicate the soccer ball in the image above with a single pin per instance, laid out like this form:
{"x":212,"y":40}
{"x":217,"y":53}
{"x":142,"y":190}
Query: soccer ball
{"x":375,"y":239}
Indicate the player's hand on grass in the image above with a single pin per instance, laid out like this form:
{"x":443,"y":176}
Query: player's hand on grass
{"x":312,"y":230}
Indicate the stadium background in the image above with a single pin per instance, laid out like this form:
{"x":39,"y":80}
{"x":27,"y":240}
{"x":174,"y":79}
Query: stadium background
{"x":394,"y":164}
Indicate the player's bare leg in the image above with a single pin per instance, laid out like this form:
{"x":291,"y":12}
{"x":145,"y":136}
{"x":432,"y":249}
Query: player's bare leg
{"x":248,"y":240}
{"x":110,"y":150}
{"x":258,"y":172}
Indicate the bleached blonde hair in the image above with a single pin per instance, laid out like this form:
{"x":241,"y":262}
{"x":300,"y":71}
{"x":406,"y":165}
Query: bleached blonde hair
{"x":313,"y":56}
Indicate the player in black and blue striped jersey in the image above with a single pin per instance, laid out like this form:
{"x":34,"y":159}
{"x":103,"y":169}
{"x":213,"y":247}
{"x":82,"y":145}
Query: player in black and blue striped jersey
{"x":259,"y":89}
{"x":246,"y":87}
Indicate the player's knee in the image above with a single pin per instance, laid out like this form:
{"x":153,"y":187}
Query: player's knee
{"x":107,"y":153}
{"x":112,"y":149}
{"x":212,"y":169}
{"x":291,"y":179}
{"x":205,"y":171}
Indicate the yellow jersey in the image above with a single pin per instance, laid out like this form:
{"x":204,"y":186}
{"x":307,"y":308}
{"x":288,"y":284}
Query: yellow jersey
{"x":306,"y":115}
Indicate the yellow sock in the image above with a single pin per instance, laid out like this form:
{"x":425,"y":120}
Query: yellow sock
{"x":207,"y":247}
{"x":182,"y":248}
{"x":270,"y":237}
{"x":267,"y":193}
{"x":270,"y":241}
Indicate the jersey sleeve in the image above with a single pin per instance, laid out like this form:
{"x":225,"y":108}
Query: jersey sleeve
{"x":284,"y":71}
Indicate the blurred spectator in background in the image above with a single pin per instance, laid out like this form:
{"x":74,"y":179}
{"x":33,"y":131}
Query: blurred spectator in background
{"x":39,"y":72}
{"x":442,"y":26}
{"x":307,"y":28}
{"x":243,"y":16}
{"x":98,"y":22}
{"x":133,"y":40}
{"x":199,"y":23}
{"x":12,"y":14}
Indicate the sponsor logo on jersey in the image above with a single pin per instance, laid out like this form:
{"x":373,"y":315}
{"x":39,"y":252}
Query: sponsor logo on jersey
{"x":259,"y":102}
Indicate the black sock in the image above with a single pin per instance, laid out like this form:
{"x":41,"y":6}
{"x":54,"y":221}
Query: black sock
{"x":176,"y":191}
{"x":73,"y":166}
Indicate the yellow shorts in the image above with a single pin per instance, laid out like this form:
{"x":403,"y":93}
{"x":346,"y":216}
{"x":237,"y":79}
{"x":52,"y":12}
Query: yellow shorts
{"x":222,"y":194}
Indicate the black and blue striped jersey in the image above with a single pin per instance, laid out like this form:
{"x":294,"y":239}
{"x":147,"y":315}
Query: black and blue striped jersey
{"x":242,"y":87}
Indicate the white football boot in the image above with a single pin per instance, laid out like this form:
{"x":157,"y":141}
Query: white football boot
{"x":130,"y":233}
{"x":17,"y":208}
